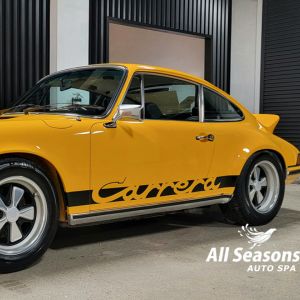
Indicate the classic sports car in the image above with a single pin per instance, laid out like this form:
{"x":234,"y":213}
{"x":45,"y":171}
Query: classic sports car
{"x":115,"y":141}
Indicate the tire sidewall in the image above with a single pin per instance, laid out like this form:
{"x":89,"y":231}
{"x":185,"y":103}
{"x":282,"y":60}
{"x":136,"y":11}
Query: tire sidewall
{"x":29,"y":170}
{"x":252,"y":215}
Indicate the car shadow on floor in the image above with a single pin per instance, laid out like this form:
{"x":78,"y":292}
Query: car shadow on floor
{"x":69,"y":237}
{"x":204,"y":219}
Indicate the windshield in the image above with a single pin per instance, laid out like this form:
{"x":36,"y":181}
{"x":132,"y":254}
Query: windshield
{"x":86,"y":91}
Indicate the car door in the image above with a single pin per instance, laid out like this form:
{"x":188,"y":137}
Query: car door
{"x":225,"y":121}
{"x":163,"y":158}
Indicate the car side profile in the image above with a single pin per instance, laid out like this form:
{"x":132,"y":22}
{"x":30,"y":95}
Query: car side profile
{"x":114,"y":141}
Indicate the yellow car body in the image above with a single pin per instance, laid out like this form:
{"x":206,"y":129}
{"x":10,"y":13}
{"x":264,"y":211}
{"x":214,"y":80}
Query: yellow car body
{"x":98,"y":170}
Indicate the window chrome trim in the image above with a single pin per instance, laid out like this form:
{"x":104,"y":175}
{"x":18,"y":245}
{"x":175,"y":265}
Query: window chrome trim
{"x":169,"y":76}
{"x":221,"y":120}
{"x":136,"y":74}
{"x":200,"y":97}
{"x":201,"y":103}
{"x":83,"y":68}
{"x":142,"y":73}
{"x":143,"y":116}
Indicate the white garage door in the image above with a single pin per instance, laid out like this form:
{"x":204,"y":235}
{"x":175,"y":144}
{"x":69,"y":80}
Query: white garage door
{"x":140,"y":45}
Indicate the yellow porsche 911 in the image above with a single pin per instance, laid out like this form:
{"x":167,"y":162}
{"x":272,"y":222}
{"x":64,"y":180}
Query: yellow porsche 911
{"x":115,"y":141}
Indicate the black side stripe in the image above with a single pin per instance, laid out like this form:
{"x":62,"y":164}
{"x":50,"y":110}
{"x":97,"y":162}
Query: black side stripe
{"x":293,"y":166}
{"x":85,"y":197}
{"x":226,"y":181}
{"x":294,"y":172}
{"x":79,"y":198}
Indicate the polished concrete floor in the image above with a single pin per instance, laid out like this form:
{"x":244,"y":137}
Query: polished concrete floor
{"x":159,"y":258}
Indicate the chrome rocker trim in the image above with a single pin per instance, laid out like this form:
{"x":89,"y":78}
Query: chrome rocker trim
{"x":113,"y":215}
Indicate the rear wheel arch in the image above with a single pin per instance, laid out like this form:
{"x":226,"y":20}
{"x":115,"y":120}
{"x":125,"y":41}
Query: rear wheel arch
{"x":276,"y":155}
{"x":240,"y":209}
{"x":280,"y":158}
{"x":51,"y":173}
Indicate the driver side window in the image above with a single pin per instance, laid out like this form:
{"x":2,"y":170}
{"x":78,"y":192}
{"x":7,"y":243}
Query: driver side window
{"x":168,"y":98}
{"x":133,"y":95}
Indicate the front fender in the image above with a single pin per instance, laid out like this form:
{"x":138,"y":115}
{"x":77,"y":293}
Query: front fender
{"x":67,"y":149}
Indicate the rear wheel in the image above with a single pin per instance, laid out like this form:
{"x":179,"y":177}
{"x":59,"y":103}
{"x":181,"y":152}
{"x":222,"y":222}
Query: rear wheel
{"x":259,"y":192}
{"x":28,"y":214}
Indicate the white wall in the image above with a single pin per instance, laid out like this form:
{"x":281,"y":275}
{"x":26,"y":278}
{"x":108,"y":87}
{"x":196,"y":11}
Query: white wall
{"x":69,"y":34}
{"x":246,"y":52}
{"x":159,"y":48}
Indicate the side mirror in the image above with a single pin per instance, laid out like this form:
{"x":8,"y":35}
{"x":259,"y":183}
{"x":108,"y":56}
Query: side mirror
{"x":126,"y":112}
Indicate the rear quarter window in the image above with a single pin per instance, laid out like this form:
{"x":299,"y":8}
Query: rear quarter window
{"x":218,"y":108}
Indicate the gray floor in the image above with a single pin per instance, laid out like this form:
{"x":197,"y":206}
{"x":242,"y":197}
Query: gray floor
{"x":160,"y":258}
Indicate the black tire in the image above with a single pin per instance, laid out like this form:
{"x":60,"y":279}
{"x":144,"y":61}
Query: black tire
{"x":45,"y":201}
{"x":240,"y":210}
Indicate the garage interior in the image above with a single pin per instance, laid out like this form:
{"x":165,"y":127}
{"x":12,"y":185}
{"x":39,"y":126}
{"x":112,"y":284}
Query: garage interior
{"x":131,"y":44}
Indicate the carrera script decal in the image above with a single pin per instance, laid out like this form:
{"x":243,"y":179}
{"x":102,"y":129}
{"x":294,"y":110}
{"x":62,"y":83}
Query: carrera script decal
{"x":113,"y":192}
{"x":116,"y":191}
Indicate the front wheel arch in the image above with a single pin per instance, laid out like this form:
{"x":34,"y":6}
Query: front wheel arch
{"x":51,"y":172}
{"x":31,"y":178}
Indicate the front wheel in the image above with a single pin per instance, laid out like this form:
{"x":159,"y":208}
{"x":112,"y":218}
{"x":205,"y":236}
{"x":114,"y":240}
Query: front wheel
{"x":28,"y":214}
{"x":259,"y":192}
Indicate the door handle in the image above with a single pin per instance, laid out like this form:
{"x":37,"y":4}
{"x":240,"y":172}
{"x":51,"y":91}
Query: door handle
{"x":209,"y":137}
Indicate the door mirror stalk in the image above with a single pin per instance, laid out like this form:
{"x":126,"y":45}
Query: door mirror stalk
{"x":126,"y":112}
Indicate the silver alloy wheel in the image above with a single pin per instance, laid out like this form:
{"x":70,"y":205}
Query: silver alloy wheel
{"x":263,"y":186}
{"x":25,"y":203}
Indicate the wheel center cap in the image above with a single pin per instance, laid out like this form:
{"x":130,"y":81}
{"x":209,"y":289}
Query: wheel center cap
{"x":12,"y":214}
{"x":257,"y":187}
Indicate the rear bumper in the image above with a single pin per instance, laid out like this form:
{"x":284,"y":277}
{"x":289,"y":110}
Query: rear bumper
{"x":293,"y":174}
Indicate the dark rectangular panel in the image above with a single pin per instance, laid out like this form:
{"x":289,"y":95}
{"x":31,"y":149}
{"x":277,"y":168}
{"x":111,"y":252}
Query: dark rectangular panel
{"x":24,"y":46}
{"x":280,"y":86}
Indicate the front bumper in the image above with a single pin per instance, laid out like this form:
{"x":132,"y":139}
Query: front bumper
{"x":293,"y":174}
